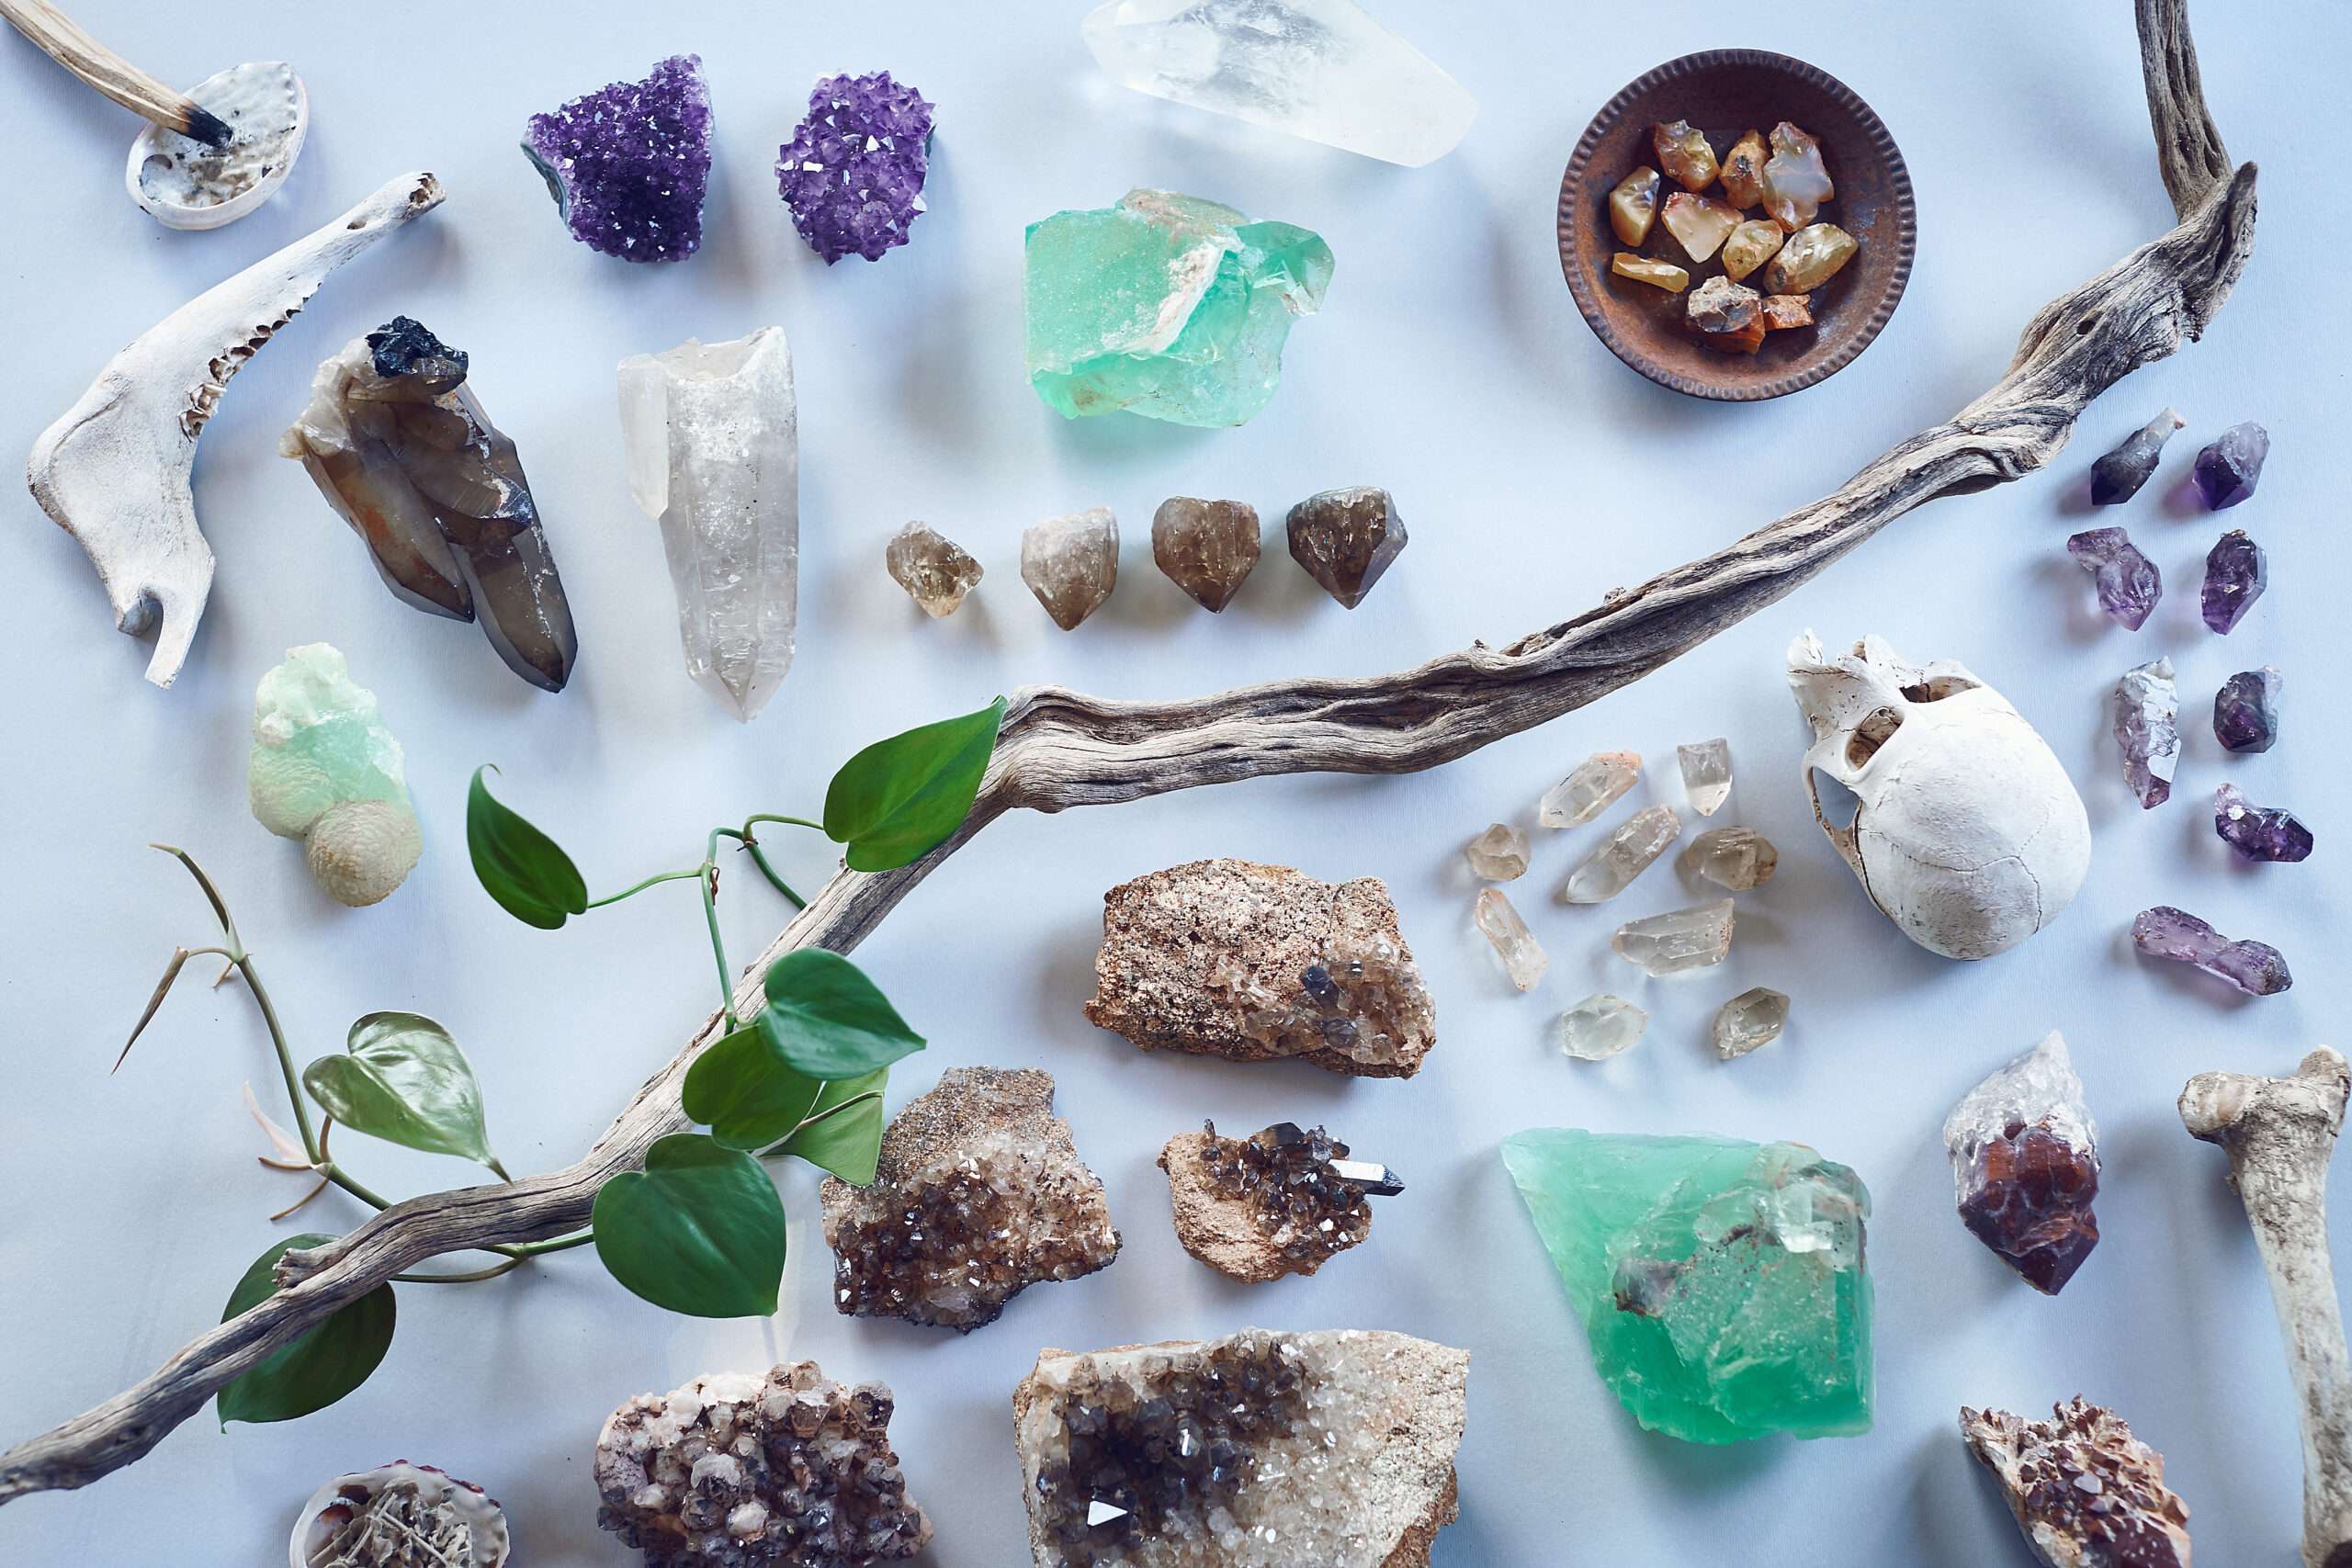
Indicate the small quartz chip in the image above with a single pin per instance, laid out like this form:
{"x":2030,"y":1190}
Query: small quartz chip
{"x":1782,"y":311}
{"x":1736,"y":858}
{"x":1071,"y":563}
{"x":1595,"y":785}
{"x":1499,"y":854}
{"x":1641,"y":269}
{"x":1624,"y":855}
{"x":2258,"y":832}
{"x":1678,"y":940}
{"x":935,"y":571}
{"x":1795,"y":180}
{"x":1522,"y":958}
{"x":2147,"y":728}
{"x":1633,"y":206}
{"x":1706,"y":775}
{"x":2228,"y":469}
{"x":2235,"y":575}
{"x":2246,"y":710}
{"x":1743,"y":171}
{"x":1601,"y":1026}
{"x":1811,"y":258}
{"x":1699,"y":223}
{"x":2255,"y":968}
{"x":1684,"y":154}
{"x":1752,"y":244}
{"x":1719,"y":305}
{"x":1752,"y":1018}
{"x":2128,"y":582}
{"x":2117,"y":477}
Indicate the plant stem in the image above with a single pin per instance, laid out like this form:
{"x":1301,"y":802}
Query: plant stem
{"x":367,"y":1195}
{"x":492,"y":1163}
{"x":492,"y":1272}
{"x":641,"y":887}
{"x":787,"y":821}
{"x":760,"y":859}
{"x":560,"y":1243}
{"x":711,"y":918}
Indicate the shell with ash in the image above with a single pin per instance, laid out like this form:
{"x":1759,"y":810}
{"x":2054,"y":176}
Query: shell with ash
{"x":183,"y":184}
{"x":2025,"y":1160}
{"x":400,"y":1515}
{"x":1271,"y":1204}
{"x":2086,"y":1492}
{"x":1229,"y":958}
{"x":739,"y":1471}
{"x":978,"y":1194}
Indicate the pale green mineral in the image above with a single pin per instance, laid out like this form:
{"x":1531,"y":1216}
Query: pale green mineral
{"x":1721,"y":1282}
{"x":324,"y":769}
{"x":1166,"y":306}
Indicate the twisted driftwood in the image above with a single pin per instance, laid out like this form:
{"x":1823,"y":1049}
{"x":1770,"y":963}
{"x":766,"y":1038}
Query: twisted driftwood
{"x":1060,"y":749}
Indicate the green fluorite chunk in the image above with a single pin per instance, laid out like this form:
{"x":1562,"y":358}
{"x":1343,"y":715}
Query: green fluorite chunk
{"x":1721,"y":1281}
{"x":1166,"y":306}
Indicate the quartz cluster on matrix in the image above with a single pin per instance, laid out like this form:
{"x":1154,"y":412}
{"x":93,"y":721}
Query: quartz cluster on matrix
{"x":1328,"y":1450}
{"x":628,"y":164}
{"x":853,"y":172}
{"x":2086,"y":1492}
{"x":978,"y":1194}
{"x":739,"y":1471}
{"x":1284,"y":1200}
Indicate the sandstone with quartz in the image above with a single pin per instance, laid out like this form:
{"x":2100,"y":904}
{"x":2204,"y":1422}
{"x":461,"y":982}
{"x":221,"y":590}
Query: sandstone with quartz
{"x":1345,"y":540}
{"x":1736,"y":858}
{"x":2127,"y":582}
{"x":1284,"y":1200}
{"x":1071,"y":563}
{"x":1795,"y":181}
{"x":1743,"y":171}
{"x":2258,"y":832}
{"x":1706,"y":775}
{"x":1700,"y":224}
{"x":1749,"y":1021}
{"x":2086,"y":1492}
{"x":1499,"y":854}
{"x":1595,"y":785}
{"x":2235,"y":575}
{"x":1641,"y":269}
{"x":2147,"y":707}
{"x":935,"y":571}
{"x":1624,"y":855}
{"x":2025,"y":1161}
{"x":1601,"y":1026}
{"x":1677,"y":939}
{"x":2255,"y":968}
{"x":1684,"y":154}
{"x":1811,"y":257}
{"x":1206,"y":548}
{"x":2116,"y":476}
{"x":1228,"y":958}
{"x":1633,"y":206}
{"x":2246,"y":710}
{"x":978,"y":1194}
{"x":1751,"y":244}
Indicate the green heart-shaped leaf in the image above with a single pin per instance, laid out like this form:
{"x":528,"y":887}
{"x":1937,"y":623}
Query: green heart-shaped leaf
{"x":524,"y":869}
{"x":404,"y":1081}
{"x":746,"y":1093}
{"x":699,"y":1230}
{"x":326,"y":1363}
{"x":824,"y":1018}
{"x":847,"y":1143}
{"x":898,"y":799}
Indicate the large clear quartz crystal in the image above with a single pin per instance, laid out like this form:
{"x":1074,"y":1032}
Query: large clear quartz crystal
{"x":1597,"y":783}
{"x":1677,"y":939}
{"x":1624,"y":855}
{"x":1522,"y":957}
{"x":1071,"y":563}
{"x":712,"y":435}
{"x":1320,"y":69}
{"x":2025,"y":1160}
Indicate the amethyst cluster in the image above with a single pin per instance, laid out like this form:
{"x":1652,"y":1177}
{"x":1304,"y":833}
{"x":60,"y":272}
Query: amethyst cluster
{"x":854,"y":171}
{"x":627,"y":164}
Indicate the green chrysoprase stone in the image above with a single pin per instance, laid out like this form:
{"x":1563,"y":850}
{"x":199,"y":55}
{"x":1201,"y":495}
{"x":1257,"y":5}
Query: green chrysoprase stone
{"x":1166,"y":306}
{"x":1720,"y":1282}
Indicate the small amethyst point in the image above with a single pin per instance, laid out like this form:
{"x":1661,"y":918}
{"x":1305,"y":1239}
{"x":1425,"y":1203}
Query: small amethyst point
{"x":2255,"y":968}
{"x":2228,"y":469}
{"x":2235,"y":575}
{"x":2258,"y":832}
{"x":2118,"y":476}
{"x":2246,"y":710}
{"x":2147,"y":712}
{"x":2129,"y":585}
{"x":853,"y":172}
{"x":628,"y":164}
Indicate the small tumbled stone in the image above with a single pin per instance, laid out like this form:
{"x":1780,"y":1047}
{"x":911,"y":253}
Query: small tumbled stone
{"x":2258,"y":832}
{"x":1346,"y":538}
{"x":1752,"y":244}
{"x":1522,"y":958}
{"x":2128,"y":582}
{"x":1736,"y":858}
{"x":1719,"y":305}
{"x":2025,"y":1162}
{"x":1633,"y":206}
{"x":2246,"y":710}
{"x":628,"y":164}
{"x":853,"y":172}
{"x":1499,"y":854}
{"x":1743,"y":171}
{"x":1071,"y":563}
{"x":1706,"y":775}
{"x":1749,"y":1021}
{"x":1624,"y":855}
{"x":2147,"y":710}
{"x":1784,"y":311}
{"x":2230,"y":466}
{"x":2235,"y":575}
{"x":1206,"y":548}
{"x":1601,"y":1026}
{"x":1795,"y":180}
{"x":1811,"y":257}
{"x":2086,"y":1492}
{"x":1284,"y":1200}
{"x":2255,"y":968}
{"x":2116,"y":476}
{"x":1700,"y":224}
{"x":935,"y":571}
{"x":1643,"y":269}
{"x":1684,"y":154}
{"x":1677,"y":939}
{"x":1595,"y":785}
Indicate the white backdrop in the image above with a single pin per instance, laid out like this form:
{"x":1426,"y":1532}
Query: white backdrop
{"x":1535,"y":472}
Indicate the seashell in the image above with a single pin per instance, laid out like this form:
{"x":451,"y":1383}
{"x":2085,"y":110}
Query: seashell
{"x":183,"y":184}
{"x":396,"y":1515}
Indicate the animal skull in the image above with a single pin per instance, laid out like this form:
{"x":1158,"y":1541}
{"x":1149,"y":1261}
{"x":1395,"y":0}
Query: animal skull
{"x":1969,"y":836}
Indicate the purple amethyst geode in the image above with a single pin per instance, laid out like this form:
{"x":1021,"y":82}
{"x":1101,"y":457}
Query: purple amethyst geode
{"x":853,"y":173}
{"x":627,"y":164}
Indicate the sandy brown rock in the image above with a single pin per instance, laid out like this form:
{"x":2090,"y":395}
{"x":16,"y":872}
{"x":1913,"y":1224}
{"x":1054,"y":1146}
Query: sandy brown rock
{"x":1261,"y":1232}
{"x":1248,"y":962}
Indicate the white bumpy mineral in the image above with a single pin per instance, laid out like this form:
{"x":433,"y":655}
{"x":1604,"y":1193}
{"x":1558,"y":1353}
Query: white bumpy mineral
{"x":1968,"y":834}
{"x":400,"y":1515}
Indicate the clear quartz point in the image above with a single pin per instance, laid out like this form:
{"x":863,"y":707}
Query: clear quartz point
{"x":1706,"y":775}
{"x":1677,"y":939}
{"x":1624,"y":855}
{"x":1597,"y":782}
{"x":1752,"y":1018}
{"x":1736,"y":858}
{"x":1499,"y":854}
{"x":1522,"y":958}
{"x":1601,"y":1026}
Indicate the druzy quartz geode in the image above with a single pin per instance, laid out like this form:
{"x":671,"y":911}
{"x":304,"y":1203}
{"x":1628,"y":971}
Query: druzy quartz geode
{"x":853,"y":172}
{"x":1166,"y":306}
{"x":628,"y":164}
{"x":2025,"y":1163}
{"x":1721,"y":1282}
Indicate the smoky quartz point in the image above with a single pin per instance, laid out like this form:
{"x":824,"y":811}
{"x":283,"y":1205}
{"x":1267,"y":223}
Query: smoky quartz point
{"x":1499,"y":854}
{"x":1522,"y":957}
{"x":1209,"y":548}
{"x":1282,"y":1200}
{"x":2116,"y":476}
{"x":935,"y":570}
{"x":1593,"y":787}
{"x":2025,"y":1160}
{"x":1346,"y":538}
{"x":1678,"y":940}
{"x":1071,"y":563}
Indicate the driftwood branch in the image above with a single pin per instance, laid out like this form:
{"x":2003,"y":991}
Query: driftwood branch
{"x":1060,"y":749}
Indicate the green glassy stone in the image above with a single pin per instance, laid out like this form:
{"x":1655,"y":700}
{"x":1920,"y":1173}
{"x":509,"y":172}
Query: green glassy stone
{"x":1720,"y":1282}
{"x":1166,"y":306}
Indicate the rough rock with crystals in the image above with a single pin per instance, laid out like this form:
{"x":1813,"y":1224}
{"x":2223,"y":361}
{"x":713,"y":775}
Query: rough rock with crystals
{"x":853,"y":172}
{"x":1600,"y":1027}
{"x":1677,"y":939}
{"x":1795,"y":180}
{"x":1071,"y":563}
{"x":2255,"y":968}
{"x":2235,"y":575}
{"x":1228,"y":958}
{"x":935,"y":570}
{"x":1333,"y":1449}
{"x":712,"y":435}
{"x":326,"y":771}
{"x":1809,"y":258}
{"x":1719,"y":305}
{"x":1706,"y":775}
{"x":2258,"y":832}
{"x":2246,"y":710}
{"x":1320,"y":69}
{"x":1346,"y":538}
{"x":1591,"y":787}
{"x":1750,"y":1020}
{"x":1209,"y":548}
{"x":395,"y":439}
{"x":401,"y":1516}
{"x":1684,"y":154}
{"x":977,"y":1195}
{"x":1721,"y":1282}
{"x":1284,"y":1200}
{"x":1166,"y":306}
{"x":1735,"y":858}
{"x":735,"y":1470}
{"x":1624,"y":855}
{"x":1633,"y":206}
{"x":2127,"y":582}
{"x":628,"y":164}
{"x":2086,"y":1492}
{"x":2025,"y":1161}
{"x":1499,"y":854}
{"x":2230,"y":466}
{"x":1522,"y":955}
{"x":2147,"y":714}
{"x":1700,"y":224}
{"x":2116,"y":476}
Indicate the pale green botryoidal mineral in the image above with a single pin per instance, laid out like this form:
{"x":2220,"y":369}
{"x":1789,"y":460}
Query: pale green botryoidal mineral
{"x":324,"y":769}
{"x":1166,"y":306}
{"x":1720,"y":1282}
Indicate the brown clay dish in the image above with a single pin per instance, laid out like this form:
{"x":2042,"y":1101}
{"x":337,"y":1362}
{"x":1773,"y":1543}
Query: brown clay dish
{"x":1725,"y":92}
